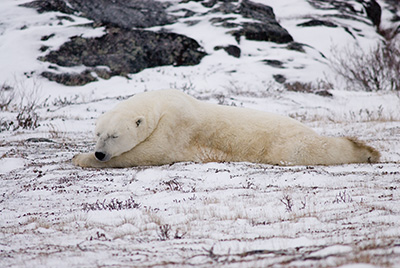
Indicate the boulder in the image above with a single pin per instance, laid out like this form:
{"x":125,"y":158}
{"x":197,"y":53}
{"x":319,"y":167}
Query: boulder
{"x":49,"y":5}
{"x":232,"y":50}
{"x":316,"y":22}
{"x":348,"y":9}
{"x":124,"y":13}
{"x":70,"y":79}
{"x":125,"y":51}
{"x":270,"y":32}
{"x":265,"y":27}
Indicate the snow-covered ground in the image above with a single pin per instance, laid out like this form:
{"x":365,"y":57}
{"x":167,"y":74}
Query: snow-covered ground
{"x":53,"y":214}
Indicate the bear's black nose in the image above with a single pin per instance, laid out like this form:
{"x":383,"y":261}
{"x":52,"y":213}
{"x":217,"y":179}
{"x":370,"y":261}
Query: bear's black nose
{"x":99,"y":155}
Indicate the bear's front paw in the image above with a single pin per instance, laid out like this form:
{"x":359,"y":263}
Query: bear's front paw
{"x":83,"y":160}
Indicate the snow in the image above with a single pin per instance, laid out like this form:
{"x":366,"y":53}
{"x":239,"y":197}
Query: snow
{"x":9,"y":164}
{"x":189,"y":214}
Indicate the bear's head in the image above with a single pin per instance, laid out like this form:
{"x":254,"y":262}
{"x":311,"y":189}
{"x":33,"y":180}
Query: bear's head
{"x":117,"y":133}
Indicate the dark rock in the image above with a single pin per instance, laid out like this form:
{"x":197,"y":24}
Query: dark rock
{"x":232,"y":50}
{"x":224,"y":22}
{"x":296,"y":47}
{"x":209,"y":3}
{"x":346,"y":9}
{"x":47,"y":37}
{"x":315,"y":22}
{"x":225,"y":7}
{"x":68,"y":18}
{"x":43,"y":48}
{"x":279,"y":78}
{"x":124,"y":13}
{"x":324,"y":93}
{"x":125,"y":51}
{"x":103,"y":73}
{"x":192,"y":22}
{"x":374,"y":11}
{"x":274,"y":63}
{"x":188,"y":13}
{"x":267,"y":29}
{"x":340,"y":10}
{"x":49,"y":5}
{"x":300,"y":48}
{"x":187,"y":1}
{"x":39,"y":140}
{"x":395,"y":18}
{"x":70,"y":79}
{"x":257,"y":11}
{"x":263,"y":32}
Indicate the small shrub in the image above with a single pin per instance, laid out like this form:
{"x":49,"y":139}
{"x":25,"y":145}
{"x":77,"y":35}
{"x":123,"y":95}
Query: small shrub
{"x":343,"y":197}
{"x":299,"y":87}
{"x":164,"y":232}
{"x":185,"y":87}
{"x":173,"y":185}
{"x":62,"y":102}
{"x":113,"y":204}
{"x":6,"y":125}
{"x":27,"y":118}
{"x":20,"y":100}
{"x":374,"y":70}
{"x":288,"y":202}
{"x":6,"y":96}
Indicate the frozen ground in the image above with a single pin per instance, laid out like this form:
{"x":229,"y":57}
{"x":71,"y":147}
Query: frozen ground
{"x":53,"y":214}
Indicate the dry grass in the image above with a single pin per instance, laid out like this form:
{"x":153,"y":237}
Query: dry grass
{"x":23,"y":100}
{"x":374,"y":70}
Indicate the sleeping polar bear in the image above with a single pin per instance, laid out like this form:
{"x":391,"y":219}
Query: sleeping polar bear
{"x":168,"y":126}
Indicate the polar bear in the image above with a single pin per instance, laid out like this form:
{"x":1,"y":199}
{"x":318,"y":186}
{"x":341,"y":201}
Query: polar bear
{"x":168,"y":126}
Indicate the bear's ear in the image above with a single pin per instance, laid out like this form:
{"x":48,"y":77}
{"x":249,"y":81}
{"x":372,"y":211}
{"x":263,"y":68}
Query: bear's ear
{"x":139,"y":121}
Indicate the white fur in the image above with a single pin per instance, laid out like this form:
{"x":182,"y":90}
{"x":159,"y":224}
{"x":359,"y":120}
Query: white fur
{"x":163,"y":127}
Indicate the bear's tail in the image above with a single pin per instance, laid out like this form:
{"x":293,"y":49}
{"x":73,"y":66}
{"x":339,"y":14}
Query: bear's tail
{"x":362,"y":152}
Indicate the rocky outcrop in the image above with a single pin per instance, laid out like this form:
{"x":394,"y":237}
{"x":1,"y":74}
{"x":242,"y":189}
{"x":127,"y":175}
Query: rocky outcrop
{"x":123,"y":48}
{"x":49,"y":5}
{"x":267,"y":29}
{"x":124,"y":13}
{"x":129,"y":47}
{"x":127,"y":51}
{"x":122,"y":51}
{"x":370,"y":13}
{"x":264,"y":27}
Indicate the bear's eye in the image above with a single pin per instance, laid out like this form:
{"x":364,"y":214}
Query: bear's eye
{"x":98,"y":134}
{"x":114,"y":136}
